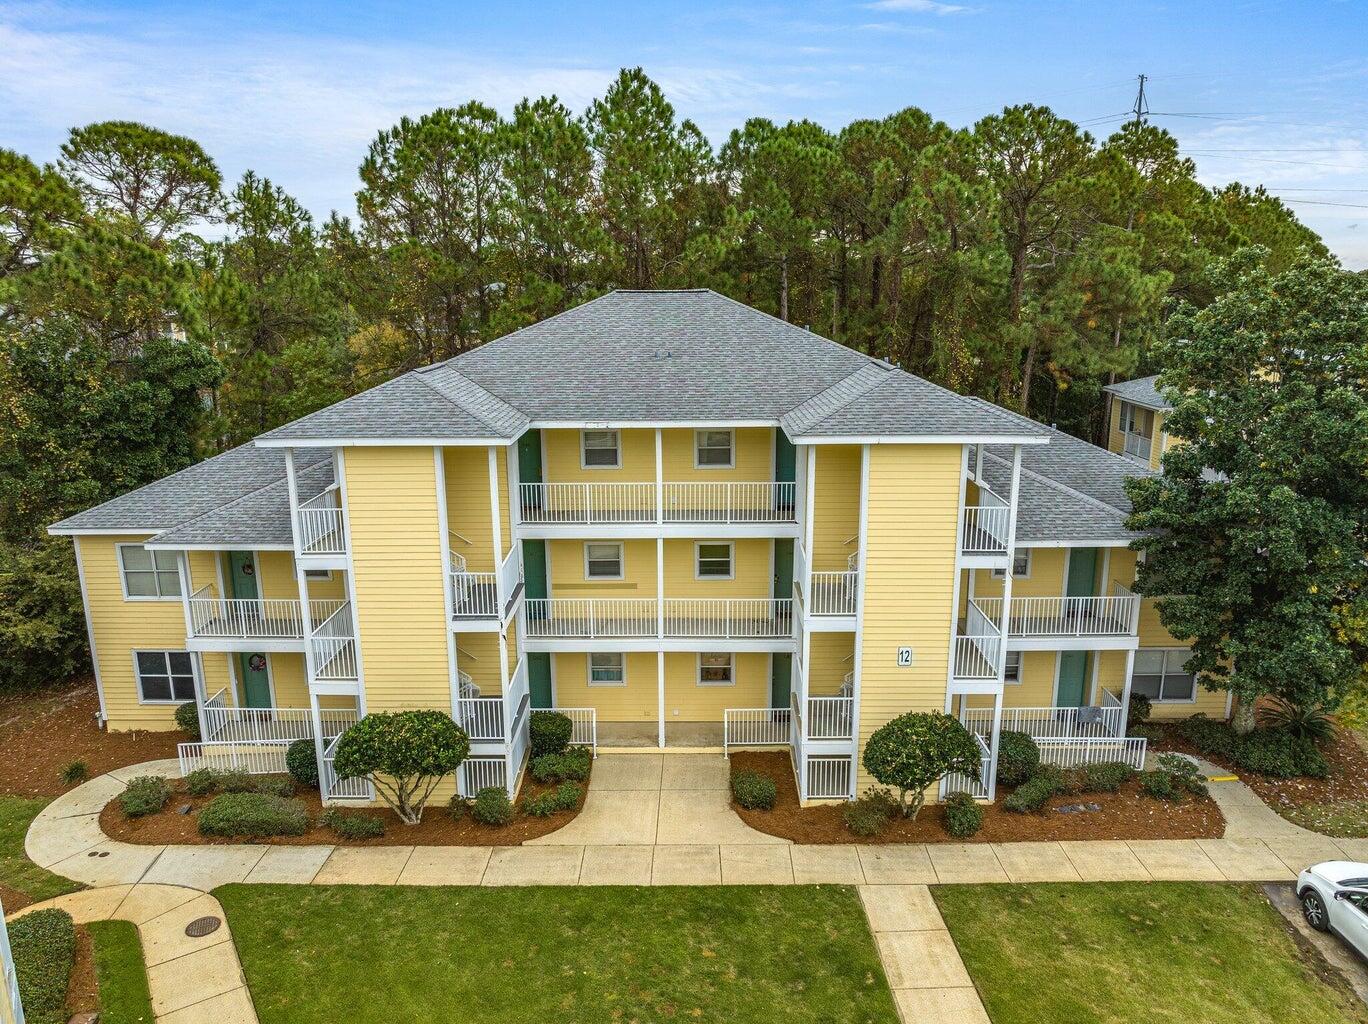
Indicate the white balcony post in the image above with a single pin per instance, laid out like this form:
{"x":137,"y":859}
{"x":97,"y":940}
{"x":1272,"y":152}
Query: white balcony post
{"x":659,"y":479}
{"x":809,"y":501}
{"x":444,"y":548}
{"x":660,"y":698}
{"x":861,"y":566}
{"x":183,"y":571}
{"x":497,"y":528}
{"x":514,"y":490}
{"x":978,"y":466}
{"x":1126,"y":692}
{"x":1011,"y":557}
{"x":293,"y":486}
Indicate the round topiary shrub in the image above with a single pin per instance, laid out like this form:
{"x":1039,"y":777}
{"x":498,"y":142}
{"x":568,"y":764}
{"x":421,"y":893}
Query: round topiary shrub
{"x":753,"y":791}
{"x":492,"y":806}
{"x":1018,"y":758}
{"x":549,"y":732}
{"x":404,"y":754}
{"x":963,"y":815}
{"x":187,"y":720}
{"x":916,"y":750}
{"x":301,"y":761}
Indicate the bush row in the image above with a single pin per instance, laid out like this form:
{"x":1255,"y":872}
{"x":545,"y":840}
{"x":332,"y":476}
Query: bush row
{"x":1276,"y":753}
{"x":564,"y":797}
{"x":253,"y":816}
{"x":44,"y":947}
{"x":203,"y":781}
{"x":567,"y":766}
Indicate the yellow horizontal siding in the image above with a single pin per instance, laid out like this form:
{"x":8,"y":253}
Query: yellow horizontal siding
{"x":752,"y":457}
{"x":121,"y":627}
{"x":752,"y":570}
{"x":562,"y":456}
{"x":468,"y":506}
{"x":836,"y":506}
{"x":912,"y":515}
{"x":288,"y":677}
{"x":686,"y":701}
{"x":635,"y":702}
{"x":396,"y":554}
{"x":567,"y":570}
{"x":831,"y":656}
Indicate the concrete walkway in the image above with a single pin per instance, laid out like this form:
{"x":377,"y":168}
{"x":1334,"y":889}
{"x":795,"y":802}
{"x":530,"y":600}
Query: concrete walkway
{"x":1246,"y":815}
{"x":673,"y":835}
{"x":191,"y":980}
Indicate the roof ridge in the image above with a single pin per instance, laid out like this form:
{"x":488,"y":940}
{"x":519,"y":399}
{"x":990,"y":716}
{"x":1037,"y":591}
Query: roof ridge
{"x":513,"y":334}
{"x":1063,"y":433}
{"x":420,"y":373}
{"x":1058,"y":485}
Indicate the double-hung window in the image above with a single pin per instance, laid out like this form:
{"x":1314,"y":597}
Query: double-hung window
{"x":716,"y":670}
{"x":599,"y":449}
{"x":603,"y":561}
{"x":713,"y":449}
{"x":165,"y":677}
{"x":1021,"y":565}
{"x":607,"y":669}
{"x":1161,"y":674}
{"x":149,"y":575}
{"x":714,"y":561}
{"x":1012,"y":671}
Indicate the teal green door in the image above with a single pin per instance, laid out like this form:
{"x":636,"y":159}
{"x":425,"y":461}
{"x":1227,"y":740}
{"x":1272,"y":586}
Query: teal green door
{"x":530,"y":469}
{"x":783,"y":568}
{"x":784,"y":458}
{"x":781,"y":679}
{"x":539,"y":678}
{"x":256,"y":679}
{"x":1073,"y":678}
{"x":1082,"y":581}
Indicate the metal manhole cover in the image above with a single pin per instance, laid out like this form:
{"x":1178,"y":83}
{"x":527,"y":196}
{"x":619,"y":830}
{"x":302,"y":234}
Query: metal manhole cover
{"x":202,"y":926}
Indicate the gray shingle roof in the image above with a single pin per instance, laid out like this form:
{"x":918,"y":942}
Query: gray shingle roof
{"x":1141,"y":391}
{"x":260,"y":519}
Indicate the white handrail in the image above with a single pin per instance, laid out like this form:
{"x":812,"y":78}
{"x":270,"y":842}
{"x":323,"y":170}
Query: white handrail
{"x":636,"y":617}
{"x":985,"y":529}
{"x":474,"y":595}
{"x":244,"y":618}
{"x":755,"y":727}
{"x":977,"y":656}
{"x":634,"y":502}
{"x":830,"y":718}
{"x":1047,"y":722}
{"x":1064,"y":616}
{"x":834,"y":593}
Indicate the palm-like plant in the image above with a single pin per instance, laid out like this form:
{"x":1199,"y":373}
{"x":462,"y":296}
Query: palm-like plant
{"x":1305,"y":721}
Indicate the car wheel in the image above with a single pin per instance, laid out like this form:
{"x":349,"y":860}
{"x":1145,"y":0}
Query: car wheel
{"x":1313,"y":909}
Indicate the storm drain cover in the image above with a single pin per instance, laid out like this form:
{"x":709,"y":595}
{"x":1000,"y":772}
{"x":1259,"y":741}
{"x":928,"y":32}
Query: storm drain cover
{"x":202,"y":926}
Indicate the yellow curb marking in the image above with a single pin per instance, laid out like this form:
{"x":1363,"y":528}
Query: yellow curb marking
{"x":1223,"y":778}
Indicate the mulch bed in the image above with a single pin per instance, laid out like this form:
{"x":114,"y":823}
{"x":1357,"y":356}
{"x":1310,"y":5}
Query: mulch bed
{"x":1348,"y":779}
{"x":83,"y":990}
{"x":1127,"y":814}
{"x":44,"y":731}
{"x":438,"y":828}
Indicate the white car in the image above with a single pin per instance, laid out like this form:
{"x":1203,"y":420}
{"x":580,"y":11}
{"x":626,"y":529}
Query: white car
{"x":1334,"y":897}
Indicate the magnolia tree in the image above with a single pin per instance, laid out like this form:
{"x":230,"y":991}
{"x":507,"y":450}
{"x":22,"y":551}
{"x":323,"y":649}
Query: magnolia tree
{"x":404,"y":755}
{"x":916,"y":750}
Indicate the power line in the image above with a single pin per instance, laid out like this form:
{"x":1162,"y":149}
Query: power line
{"x":1141,"y":107}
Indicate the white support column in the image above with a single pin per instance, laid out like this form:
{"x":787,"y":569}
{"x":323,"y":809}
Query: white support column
{"x":496,"y":518}
{"x":1126,"y":691}
{"x":340,"y":476}
{"x":810,"y":485}
{"x":955,"y":590}
{"x":991,"y":781}
{"x":660,"y":698}
{"x":1011,"y":557}
{"x":444,"y":546}
{"x":292,"y":484}
{"x":514,"y":490}
{"x":659,"y":478}
{"x":183,"y":571}
{"x":978,"y":465}
{"x":861,"y":580}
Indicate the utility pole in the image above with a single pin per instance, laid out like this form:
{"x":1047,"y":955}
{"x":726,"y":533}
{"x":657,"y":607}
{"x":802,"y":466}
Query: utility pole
{"x":1141,"y":107}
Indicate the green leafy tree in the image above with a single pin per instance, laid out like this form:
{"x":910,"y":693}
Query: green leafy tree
{"x":916,"y":750}
{"x":1256,"y":546}
{"x":404,"y":754}
{"x":37,"y":208}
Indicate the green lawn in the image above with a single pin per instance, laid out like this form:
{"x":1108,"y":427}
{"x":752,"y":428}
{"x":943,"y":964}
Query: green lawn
{"x":794,"y":954}
{"x":119,"y":970}
{"x":17,"y":871}
{"x":1182,"y":953}
{"x":1347,"y":819}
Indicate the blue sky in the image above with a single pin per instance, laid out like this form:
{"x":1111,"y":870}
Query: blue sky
{"x":1261,"y":91}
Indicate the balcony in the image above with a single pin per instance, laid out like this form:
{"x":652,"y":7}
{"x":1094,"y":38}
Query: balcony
{"x":486,"y":597}
{"x":766,"y":508}
{"x":832,"y":600}
{"x":333,"y":645}
{"x":680,"y":619}
{"x":986,"y":531}
{"x":1137,"y":447}
{"x":1059,"y":623}
{"x":321,"y":523}
{"x":273,"y":624}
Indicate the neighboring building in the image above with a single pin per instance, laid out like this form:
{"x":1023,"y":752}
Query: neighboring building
{"x":1135,"y":420}
{"x":680,"y":520}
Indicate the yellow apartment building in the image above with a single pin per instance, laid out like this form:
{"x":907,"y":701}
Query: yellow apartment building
{"x":680,"y":521}
{"x":1135,"y":420}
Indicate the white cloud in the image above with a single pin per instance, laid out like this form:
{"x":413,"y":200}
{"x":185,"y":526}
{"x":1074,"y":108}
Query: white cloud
{"x":917,"y":7}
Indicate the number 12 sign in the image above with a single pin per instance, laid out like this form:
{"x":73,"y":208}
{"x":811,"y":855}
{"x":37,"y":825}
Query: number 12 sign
{"x":904,"y":657}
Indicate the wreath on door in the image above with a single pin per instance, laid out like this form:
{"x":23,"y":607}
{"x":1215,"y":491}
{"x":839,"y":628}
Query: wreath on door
{"x":257,"y":662}
{"x":248,"y":569}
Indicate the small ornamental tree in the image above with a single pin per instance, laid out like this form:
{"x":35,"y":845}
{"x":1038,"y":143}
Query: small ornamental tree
{"x":916,"y":750}
{"x":404,"y":755}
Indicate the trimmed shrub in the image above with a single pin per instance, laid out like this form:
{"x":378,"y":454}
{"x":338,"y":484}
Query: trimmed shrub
{"x":916,"y":750}
{"x":235,"y":780}
{"x":1032,"y":794}
{"x":77,"y":771}
{"x":963,"y":815}
{"x":1213,"y":738}
{"x":404,"y":754}
{"x":1139,"y":709}
{"x":301,"y":761}
{"x":568,"y":795}
{"x":147,"y":794}
{"x":1280,"y":755}
{"x":1146,"y":730}
{"x":352,"y":824}
{"x":753,"y":791}
{"x":273,"y":785}
{"x":252,"y":816}
{"x":44,"y":948}
{"x":201,"y":782}
{"x":492,"y":806}
{"x":1018,"y":758}
{"x":564,"y":797}
{"x":1105,"y":777}
{"x":870,"y":814}
{"x":457,"y":807}
{"x":549,"y":732}
{"x":570,"y":766}
{"x":1173,"y":778}
{"x":187,"y":720}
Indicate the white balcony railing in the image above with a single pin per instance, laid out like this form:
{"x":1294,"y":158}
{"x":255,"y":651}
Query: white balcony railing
{"x":829,"y":777}
{"x":1138,"y":446}
{"x":474,"y":595}
{"x":986,"y":529}
{"x":216,"y":618}
{"x":334,"y":788}
{"x":1064,"y":616}
{"x":980,"y":788}
{"x":830,"y":718}
{"x":1047,"y":722}
{"x":322,"y":529}
{"x":834,"y":593}
{"x":977,"y":656}
{"x":755,"y":727}
{"x":334,"y":646}
{"x":642,"y":618}
{"x":629,"y":503}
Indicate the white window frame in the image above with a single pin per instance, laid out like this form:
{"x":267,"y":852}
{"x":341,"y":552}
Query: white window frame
{"x":1184,"y":654}
{"x":1024,"y":575}
{"x":173,"y":700}
{"x":318,"y":575}
{"x":698,"y":560}
{"x":589,"y":668}
{"x":622,"y":559}
{"x":617,"y":450}
{"x":699,"y":446}
{"x":731,"y":668}
{"x":1008,"y":677}
{"x":158,"y":596}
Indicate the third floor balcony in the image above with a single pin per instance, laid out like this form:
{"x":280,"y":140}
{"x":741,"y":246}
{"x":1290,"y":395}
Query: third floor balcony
{"x":673,"y":508}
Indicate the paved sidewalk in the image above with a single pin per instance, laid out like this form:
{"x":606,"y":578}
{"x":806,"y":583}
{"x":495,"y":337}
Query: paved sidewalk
{"x":670,"y":848}
{"x":191,"y":980}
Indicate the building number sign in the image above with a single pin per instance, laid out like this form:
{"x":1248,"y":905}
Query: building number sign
{"x":904,"y":657}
